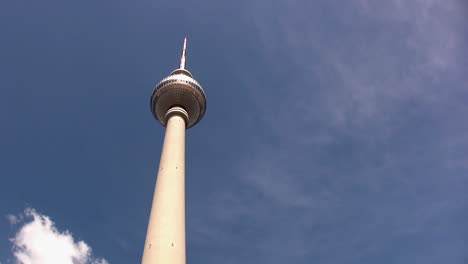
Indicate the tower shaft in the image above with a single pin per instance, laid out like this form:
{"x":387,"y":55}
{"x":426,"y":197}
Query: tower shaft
{"x":165,"y":237}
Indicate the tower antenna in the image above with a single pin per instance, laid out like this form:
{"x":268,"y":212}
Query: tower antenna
{"x":182,"y":58}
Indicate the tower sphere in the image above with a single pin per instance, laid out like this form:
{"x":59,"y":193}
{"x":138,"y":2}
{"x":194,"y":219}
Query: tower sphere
{"x":179,"y":89}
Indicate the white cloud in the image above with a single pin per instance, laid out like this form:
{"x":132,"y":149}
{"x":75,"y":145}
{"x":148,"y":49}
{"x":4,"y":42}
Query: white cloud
{"x":40,"y":242}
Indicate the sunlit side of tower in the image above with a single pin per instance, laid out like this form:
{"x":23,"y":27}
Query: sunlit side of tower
{"x":178,"y":102}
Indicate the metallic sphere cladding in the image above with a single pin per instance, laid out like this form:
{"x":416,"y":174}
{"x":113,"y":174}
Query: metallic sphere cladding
{"x":179,"y":89}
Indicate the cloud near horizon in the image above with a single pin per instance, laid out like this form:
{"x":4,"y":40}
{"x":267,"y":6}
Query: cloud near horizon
{"x":38,"y":241}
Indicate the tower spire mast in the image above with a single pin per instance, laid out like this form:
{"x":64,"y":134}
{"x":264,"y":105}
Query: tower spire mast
{"x":182,"y":58}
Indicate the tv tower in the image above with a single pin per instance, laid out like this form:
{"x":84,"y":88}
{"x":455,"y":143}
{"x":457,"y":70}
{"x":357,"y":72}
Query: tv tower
{"x":178,"y":102}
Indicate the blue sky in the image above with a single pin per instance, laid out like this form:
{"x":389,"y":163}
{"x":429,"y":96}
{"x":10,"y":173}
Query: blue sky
{"x":335,"y":131}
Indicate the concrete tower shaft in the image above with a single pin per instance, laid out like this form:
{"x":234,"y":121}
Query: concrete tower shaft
{"x":165,"y":236}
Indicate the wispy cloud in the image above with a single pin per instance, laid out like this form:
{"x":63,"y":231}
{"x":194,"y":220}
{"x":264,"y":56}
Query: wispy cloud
{"x":364,"y":106}
{"x":13,"y":219}
{"x":38,"y":241}
{"x":360,"y":77}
